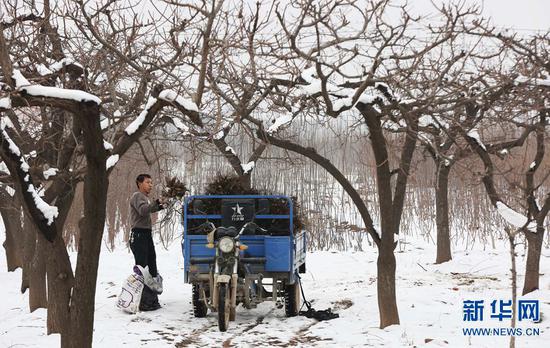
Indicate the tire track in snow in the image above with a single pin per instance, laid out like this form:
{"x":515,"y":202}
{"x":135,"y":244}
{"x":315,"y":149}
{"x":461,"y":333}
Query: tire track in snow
{"x":247,"y":328}
{"x":193,"y":338}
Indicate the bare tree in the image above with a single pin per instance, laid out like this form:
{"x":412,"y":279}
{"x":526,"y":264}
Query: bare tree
{"x":381,"y":83}
{"x":525,"y":69}
{"x":64,"y":127}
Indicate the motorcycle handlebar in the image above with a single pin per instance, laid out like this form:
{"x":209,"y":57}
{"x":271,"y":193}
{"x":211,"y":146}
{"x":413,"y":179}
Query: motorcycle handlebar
{"x":248,"y":224}
{"x":208,"y":224}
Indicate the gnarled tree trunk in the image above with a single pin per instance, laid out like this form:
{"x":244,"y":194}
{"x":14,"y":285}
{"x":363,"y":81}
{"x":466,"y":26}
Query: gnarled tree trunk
{"x":82,"y":308}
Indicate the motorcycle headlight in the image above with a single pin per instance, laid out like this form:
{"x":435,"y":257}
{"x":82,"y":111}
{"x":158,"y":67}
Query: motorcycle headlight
{"x":226,"y":244}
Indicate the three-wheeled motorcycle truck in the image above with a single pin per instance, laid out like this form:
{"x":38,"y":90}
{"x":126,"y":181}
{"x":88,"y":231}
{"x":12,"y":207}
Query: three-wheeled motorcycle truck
{"x":241,"y":249}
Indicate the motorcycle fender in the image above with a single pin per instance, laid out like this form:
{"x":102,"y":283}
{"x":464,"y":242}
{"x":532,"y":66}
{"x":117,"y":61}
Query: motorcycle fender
{"x":223,"y":278}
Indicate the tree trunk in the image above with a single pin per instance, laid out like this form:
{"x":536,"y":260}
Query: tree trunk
{"x":534,"y":248}
{"x":13,"y":243}
{"x":29,"y":247}
{"x":58,"y":266}
{"x":387,"y":304}
{"x":442,"y":214}
{"x":91,"y":228}
{"x":59,"y":281}
{"x":37,"y":275}
{"x":34,"y":268}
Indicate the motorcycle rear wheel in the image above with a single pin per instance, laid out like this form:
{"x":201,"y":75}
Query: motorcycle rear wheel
{"x":292,"y":299}
{"x":199,"y":307}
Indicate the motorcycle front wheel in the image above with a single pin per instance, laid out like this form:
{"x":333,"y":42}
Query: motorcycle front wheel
{"x":224,"y":306}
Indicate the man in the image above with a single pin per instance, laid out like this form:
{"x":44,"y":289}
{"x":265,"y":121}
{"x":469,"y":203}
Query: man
{"x":141,"y":240}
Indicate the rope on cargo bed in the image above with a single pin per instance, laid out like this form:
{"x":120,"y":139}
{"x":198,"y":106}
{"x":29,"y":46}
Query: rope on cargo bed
{"x":311,"y":312}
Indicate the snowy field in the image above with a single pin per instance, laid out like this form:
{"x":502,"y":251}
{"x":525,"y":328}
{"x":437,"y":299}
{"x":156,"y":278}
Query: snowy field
{"x":430,"y":301}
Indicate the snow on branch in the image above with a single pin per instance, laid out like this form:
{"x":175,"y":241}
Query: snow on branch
{"x":514,"y":218}
{"x":431,"y":120}
{"x":50,"y":172}
{"x":279,"y":121}
{"x":169,"y":96}
{"x":55,"y":67}
{"x":343,"y":96}
{"x":111,"y":161}
{"x":43,"y":70}
{"x":221,"y":133}
{"x":475,"y":135}
{"x":104,"y":121}
{"x":390,"y":125}
{"x":230,"y":149}
{"x":23,"y":85}
{"x":49,"y":212}
{"x":314,"y":84}
{"x":5,"y":103}
{"x":180,"y":125}
{"x":4,"y":168}
{"x":133,"y":127}
{"x":247,"y":167}
{"x":172,"y":96}
{"x":6,"y":123}
{"x":107,"y":146}
{"x":534,"y":81}
{"x":10,"y":191}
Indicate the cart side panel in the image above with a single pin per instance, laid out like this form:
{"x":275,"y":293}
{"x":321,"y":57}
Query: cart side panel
{"x":196,"y":248}
{"x":255,"y":246}
{"x":278,"y":254}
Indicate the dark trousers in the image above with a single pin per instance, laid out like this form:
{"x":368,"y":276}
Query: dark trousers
{"x":141,"y":244}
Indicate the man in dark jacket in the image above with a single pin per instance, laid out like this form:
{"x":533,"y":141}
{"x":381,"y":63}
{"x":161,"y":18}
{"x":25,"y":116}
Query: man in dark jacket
{"x":141,"y":240}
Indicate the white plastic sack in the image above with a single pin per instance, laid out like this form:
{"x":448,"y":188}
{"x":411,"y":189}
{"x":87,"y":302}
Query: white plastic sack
{"x":154,"y":283}
{"x":129,"y":298}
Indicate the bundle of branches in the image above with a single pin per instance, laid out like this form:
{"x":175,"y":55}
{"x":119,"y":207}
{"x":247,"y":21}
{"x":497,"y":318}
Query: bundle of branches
{"x":232,"y":185}
{"x":228,"y":185}
{"x":223,"y":184}
{"x":279,"y":207}
{"x":174,"y":188}
{"x":173,"y":191}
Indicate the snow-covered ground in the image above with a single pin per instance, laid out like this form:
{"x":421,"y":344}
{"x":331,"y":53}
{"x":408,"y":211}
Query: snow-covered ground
{"x":430,"y":301}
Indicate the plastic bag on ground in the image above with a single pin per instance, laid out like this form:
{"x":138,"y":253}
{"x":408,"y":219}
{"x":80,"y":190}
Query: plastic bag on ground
{"x":154,"y":283}
{"x":130,"y":296}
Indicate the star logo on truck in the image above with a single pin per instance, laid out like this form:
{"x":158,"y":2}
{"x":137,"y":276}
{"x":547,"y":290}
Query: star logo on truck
{"x":237,"y":213}
{"x":238,"y":209}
